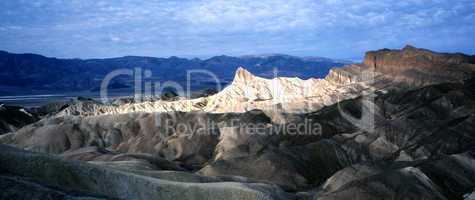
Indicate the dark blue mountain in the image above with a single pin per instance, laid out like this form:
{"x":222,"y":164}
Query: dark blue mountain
{"x":23,"y":73}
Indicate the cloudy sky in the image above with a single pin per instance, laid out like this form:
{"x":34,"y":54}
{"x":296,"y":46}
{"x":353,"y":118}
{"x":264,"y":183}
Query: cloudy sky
{"x":331,"y":28}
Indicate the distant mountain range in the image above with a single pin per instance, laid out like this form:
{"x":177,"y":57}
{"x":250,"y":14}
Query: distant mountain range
{"x":30,"y":73}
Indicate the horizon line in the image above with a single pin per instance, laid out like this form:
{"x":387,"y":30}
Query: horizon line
{"x":188,"y":57}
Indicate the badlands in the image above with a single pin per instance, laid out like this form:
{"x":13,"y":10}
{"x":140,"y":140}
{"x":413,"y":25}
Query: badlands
{"x":400,"y":125}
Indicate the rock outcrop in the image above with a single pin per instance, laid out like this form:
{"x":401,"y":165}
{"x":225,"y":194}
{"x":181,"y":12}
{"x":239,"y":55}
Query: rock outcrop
{"x":421,"y":144}
{"x":395,"y":61}
{"x":421,"y":66}
{"x":365,"y":131}
{"x":116,"y":184}
{"x":13,"y":118}
{"x":381,"y":70}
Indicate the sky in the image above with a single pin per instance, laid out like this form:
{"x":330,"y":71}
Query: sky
{"x":342,"y":29}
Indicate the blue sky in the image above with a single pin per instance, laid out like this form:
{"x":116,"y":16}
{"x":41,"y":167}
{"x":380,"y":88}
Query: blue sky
{"x":331,"y":28}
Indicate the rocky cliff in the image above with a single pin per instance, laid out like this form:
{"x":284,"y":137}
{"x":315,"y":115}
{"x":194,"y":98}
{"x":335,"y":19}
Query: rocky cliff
{"x":421,"y":65}
{"x":421,"y":142}
{"x":381,"y":70}
{"x":363,"y":136}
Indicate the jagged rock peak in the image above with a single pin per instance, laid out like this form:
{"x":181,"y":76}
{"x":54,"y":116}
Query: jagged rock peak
{"x":409,"y":47}
{"x":384,"y":68}
{"x":243,"y":76}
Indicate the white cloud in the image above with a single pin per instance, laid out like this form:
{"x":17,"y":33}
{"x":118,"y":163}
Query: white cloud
{"x":248,"y":15}
{"x":115,"y":39}
{"x":310,"y":15}
{"x":210,"y":26}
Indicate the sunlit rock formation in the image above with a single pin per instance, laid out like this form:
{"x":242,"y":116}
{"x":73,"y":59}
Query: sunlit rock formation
{"x":417,"y":145}
{"x":381,"y":70}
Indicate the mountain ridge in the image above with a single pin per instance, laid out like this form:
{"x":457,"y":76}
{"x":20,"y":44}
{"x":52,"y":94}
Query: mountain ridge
{"x":248,"y":91}
{"x":37,"y":72}
{"x":366,"y":133}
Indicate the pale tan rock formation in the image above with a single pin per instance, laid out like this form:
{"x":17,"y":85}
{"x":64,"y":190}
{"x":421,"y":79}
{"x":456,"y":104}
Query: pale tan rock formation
{"x":411,"y":67}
